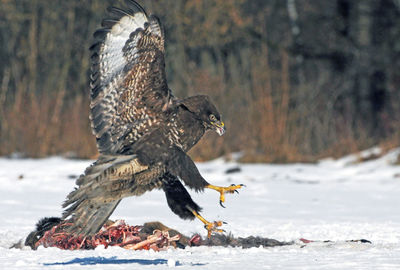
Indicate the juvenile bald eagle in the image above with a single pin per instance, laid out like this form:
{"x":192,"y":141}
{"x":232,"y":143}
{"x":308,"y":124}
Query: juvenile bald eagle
{"x":143,"y":132}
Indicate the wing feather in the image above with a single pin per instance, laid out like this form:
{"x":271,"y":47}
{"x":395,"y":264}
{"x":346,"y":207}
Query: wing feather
{"x":102,"y":187}
{"x":129,"y":92}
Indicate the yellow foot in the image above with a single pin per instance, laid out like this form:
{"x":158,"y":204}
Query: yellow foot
{"x":213,"y":227}
{"x":222,"y":190}
{"x":209,"y":226}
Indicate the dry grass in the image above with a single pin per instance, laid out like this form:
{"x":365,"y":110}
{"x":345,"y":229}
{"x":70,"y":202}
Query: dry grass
{"x":38,"y":126}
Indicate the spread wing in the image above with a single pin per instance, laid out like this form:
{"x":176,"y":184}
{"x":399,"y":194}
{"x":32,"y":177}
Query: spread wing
{"x":129,"y":91}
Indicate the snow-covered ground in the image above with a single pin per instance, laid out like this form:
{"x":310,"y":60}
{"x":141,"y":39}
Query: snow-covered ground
{"x":334,"y":200}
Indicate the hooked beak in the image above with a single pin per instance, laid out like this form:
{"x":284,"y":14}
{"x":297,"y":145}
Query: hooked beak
{"x":219,"y":127}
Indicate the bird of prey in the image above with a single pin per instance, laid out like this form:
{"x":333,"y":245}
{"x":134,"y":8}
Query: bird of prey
{"x":142,"y":131}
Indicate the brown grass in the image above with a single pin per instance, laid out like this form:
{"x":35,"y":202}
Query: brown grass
{"x":42,"y":125}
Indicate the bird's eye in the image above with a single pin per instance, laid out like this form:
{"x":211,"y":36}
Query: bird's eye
{"x":212,"y":117}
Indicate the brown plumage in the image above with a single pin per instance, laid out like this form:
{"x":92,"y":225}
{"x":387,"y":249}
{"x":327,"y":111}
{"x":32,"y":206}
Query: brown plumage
{"x":143,"y":132}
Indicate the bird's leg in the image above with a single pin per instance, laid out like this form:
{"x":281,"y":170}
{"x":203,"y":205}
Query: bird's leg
{"x":209,"y":226}
{"x":222,"y":190}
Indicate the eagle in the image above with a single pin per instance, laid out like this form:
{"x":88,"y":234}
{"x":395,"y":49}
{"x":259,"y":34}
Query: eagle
{"x":142,"y":130}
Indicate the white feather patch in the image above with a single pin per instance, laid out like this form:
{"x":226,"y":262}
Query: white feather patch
{"x":112,"y":60}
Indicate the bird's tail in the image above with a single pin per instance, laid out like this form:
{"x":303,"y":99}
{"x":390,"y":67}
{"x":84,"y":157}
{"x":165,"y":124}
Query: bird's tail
{"x":99,"y":191}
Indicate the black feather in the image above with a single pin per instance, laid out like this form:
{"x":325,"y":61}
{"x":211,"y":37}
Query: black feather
{"x":95,"y":47}
{"x":101,"y":33}
{"x":135,"y":6}
{"x":178,"y":198}
{"x":118,"y":12}
{"x":96,"y":90}
{"x":95,"y":57}
{"x":183,"y":166}
{"x":108,"y":23}
{"x":94,"y":77}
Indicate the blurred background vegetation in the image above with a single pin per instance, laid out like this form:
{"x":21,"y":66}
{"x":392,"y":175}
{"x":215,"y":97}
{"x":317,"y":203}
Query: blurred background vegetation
{"x":295,"y":80}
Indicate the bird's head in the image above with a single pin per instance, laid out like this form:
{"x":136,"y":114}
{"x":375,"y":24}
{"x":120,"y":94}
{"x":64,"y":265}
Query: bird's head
{"x":204,"y":110}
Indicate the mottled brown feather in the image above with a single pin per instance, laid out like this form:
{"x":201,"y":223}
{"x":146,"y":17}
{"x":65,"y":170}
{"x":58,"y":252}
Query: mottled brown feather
{"x":142,"y":131}
{"x":128,"y":81}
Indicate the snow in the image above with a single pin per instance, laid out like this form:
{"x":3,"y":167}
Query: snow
{"x":335,"y":200}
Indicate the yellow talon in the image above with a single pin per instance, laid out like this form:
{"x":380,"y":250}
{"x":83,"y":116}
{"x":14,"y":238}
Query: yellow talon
{"x":209,"y":226}
{"x":213,"y":227}
{"x":223,"y":190}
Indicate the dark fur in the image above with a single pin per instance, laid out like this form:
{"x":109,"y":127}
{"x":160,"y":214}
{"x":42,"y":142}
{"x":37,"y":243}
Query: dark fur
{"x":42,"y":226}
{"x":247,"y":242}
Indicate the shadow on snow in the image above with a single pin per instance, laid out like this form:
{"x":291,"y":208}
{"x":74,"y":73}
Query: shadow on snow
{"x":112,"y":260}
